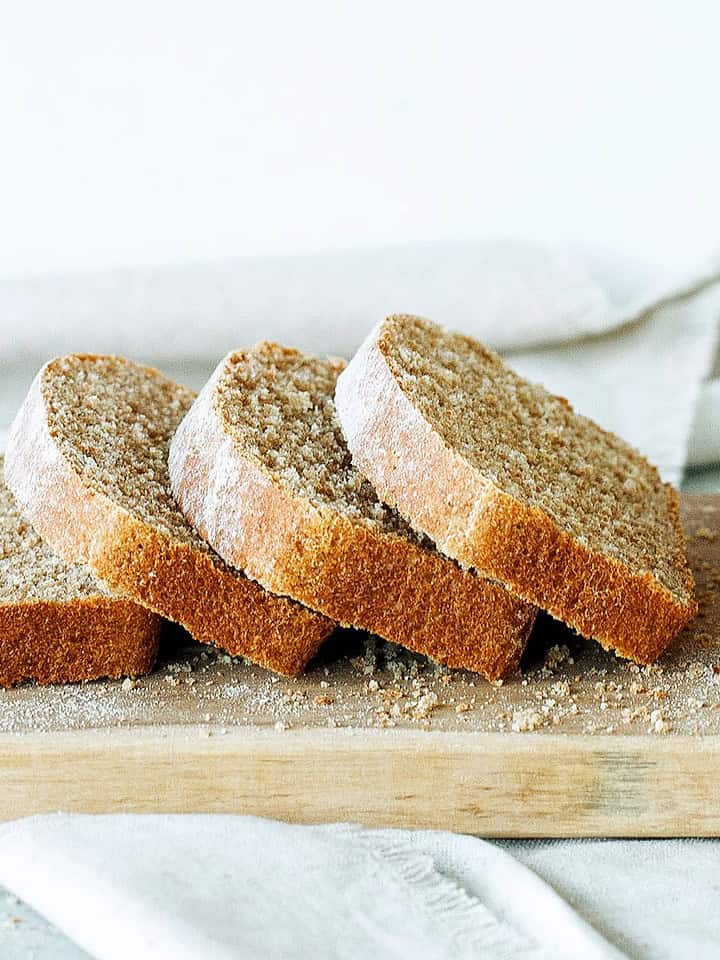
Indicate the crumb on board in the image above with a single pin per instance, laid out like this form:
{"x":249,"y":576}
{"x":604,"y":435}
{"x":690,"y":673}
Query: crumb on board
{"x":568,"y":685}
{"x":567,"y":691}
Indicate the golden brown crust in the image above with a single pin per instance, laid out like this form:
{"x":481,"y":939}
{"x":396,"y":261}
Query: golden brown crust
{"x":484,"y":528}
{"x":385,"y":584}
{"x":208,"y":599}
{"x":140,"y":562}
{"x":51,"y":642}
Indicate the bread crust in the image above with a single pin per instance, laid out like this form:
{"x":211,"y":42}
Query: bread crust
{"x":83,"y":639}
{"x":471,"y":519}
{"x":360,"y":577}
{"x":143,"y":563}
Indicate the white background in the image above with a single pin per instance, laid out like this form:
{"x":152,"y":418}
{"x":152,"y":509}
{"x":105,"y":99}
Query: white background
{"x":160,"y":132}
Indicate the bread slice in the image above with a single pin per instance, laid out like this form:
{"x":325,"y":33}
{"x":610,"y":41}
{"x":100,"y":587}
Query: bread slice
{"x":57,"y":623}
{"x":508,"y":480}
{"x":260,"y":468}
{"x":87,"y":461}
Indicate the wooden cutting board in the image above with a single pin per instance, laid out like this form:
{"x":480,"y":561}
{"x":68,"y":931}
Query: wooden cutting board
{"x":578,"y":744}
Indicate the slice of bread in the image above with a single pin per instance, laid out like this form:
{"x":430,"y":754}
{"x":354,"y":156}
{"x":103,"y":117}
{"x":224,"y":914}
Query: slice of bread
{"x":260,"y":468}
{"x":87,"y":461}
{"x":57,"y":623}
{"x":508,"y":480}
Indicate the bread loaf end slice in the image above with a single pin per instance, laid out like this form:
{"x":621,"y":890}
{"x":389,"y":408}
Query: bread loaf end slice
{"x":57,"y":623}
{"x":87,"y":461}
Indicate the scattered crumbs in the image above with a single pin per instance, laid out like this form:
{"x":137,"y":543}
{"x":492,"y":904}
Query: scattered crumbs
{"x":566,"y":688}
{"x":557,"y":656}
{"x":705,"y":533}
{"x":181,"y":666}
{"x":428,"y":702}
{"x":525,"y":721}
{"x":695,"y":670}
{"x":658,"y":724}
{"x":12,"y":921}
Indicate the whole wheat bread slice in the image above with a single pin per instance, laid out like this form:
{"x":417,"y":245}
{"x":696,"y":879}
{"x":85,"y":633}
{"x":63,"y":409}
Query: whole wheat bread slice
{"x":57,"y":623}
{"x":260,"y":468}
{"x":508,"y":480}
{"x":87,"y":461}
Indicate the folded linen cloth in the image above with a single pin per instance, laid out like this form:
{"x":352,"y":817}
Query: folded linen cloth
{"x":231,"y":886}
{"x":631,"y":349}
{"x":511,"y":294}
{"x":643,"y":379}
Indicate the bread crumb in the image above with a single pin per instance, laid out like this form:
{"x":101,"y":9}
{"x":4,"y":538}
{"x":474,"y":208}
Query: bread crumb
{"x":695,"y":670}
{"x":524,"y":721}
{"x":426,"y":704}
{"x":658,"y":724}
{"x":557,"y":655}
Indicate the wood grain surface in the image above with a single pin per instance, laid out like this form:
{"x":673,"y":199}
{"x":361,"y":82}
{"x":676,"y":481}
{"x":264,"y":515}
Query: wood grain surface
{"x":578,"y":744}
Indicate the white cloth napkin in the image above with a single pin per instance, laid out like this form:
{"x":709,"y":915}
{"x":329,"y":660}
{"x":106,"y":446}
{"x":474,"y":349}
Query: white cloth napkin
{"x":225,"y":887}
{"x":643,"y":378}
{"x":221,"y":887}
{"x":613,"y":345}
{"x":509,"y":294}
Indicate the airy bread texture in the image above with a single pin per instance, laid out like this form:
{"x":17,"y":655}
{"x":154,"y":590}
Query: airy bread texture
{"x":508,"y":480}
{"x":260,"y":468}
{"x":57,"y":623}
{"x":87,"y":461}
